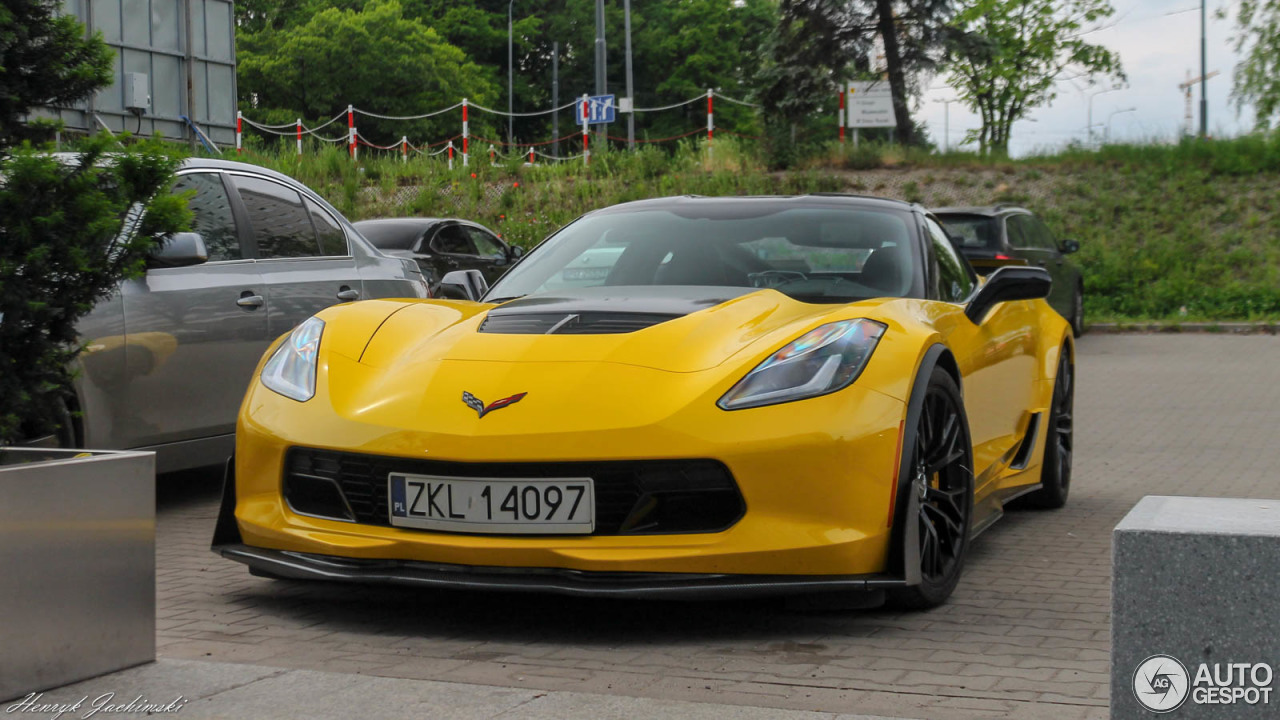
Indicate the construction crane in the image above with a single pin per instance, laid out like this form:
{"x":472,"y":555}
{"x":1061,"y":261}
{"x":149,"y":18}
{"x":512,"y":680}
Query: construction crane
{"x":1186,"y":87}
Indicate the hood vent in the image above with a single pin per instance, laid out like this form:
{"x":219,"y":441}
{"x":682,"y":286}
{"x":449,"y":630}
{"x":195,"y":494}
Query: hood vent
{"x":571,"y":323}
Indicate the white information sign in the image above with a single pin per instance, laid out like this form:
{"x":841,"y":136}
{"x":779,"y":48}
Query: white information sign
{"x":870,"y":105}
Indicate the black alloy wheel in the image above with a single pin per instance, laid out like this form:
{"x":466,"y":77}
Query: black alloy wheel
{"x":942,"y":482}
{"x":1055,"y":469}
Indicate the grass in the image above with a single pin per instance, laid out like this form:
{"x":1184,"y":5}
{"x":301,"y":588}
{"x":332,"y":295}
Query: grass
{"x":1169,"y":232}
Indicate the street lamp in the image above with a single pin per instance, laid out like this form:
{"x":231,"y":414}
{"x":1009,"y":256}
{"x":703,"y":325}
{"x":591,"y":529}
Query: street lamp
{"x":510,"y":72}
{"x":1106,"y":138}
{"x":1113,"y":88}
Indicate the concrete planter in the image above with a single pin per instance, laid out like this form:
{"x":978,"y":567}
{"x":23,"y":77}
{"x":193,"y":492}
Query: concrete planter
{"x":77,"y":566}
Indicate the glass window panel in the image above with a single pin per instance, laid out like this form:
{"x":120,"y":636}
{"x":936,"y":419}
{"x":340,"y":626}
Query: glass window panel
{"x":333,"y":241}
{"x":222,"y":100}
{"x":137,"y":25}
{"x":212,"y":214}
{"x":106,"y":18}
{"x":955,"y":280}
{"x":486,"y":244}
{"x":278,"y":219}
{"x":166,"y":87}
{"x":453,"y":239}
{"x":218,"y":29}
{"x":165,"y":22}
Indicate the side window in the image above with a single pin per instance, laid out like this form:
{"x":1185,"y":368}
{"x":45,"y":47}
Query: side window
{"x":486,"y":244}
{"x":333,"y":241}
{"x":1041,"y":237}
{"x":1020,"y":233}
{"x":212,"y":218}
{"x":278,"y":218}
{"x":954,"y":279}
{"x":453,"y":239}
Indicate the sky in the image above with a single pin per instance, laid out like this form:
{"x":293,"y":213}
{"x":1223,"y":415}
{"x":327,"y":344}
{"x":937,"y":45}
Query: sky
{"x":1156,"y":50}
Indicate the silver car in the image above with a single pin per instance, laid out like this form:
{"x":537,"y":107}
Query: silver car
{"x":169,"y":356}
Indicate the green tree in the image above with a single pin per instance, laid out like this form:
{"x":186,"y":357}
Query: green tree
{"x":1013,"y":52}
{"x":70,"y":229}
{"x":1257,"y":76}
{"x":376,"y":59}
{"x":45,"y":59}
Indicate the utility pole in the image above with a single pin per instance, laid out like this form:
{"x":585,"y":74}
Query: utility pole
{"x":946,"y":124}
{"x":555,"y":97}
{"x":190,"y":61}
{"x":510,"y":72}
{"x":1204,"y":77}
{"x":602,"y":85}
{"x":631,"y":116}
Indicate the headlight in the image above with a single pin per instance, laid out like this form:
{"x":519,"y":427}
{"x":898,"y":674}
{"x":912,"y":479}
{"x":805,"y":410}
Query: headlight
{"x":291,"y":371}
{"x":821,"y":361}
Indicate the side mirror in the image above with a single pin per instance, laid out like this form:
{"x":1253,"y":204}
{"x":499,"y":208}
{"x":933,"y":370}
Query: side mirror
{"x":515,"y":252}
{"x":1070,"y":246}
{"x":180,"y":250}
{"x":463,"y":285}
{"x":1012,"y":282}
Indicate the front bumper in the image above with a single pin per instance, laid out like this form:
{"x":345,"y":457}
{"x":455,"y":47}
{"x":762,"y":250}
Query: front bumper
{"x":673,"y":586}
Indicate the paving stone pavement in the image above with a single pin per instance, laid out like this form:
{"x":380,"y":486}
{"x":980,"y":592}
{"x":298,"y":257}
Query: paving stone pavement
{"x":1026,"y":634}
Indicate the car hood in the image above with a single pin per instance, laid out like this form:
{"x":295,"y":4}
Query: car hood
{"x":685,"y":329}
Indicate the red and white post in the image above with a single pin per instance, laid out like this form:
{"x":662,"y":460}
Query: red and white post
{"x":530,"y":154}
{"x":466,"y":134}
{"x":450,"y":149}
{"x":239,"y":131}
{"x":404,"y":149}
{"x":586,"y":149}
{"x":491,"y":161}
{"x":351,"y":130}
{"x":299,"y":137}
{"x":711,"y":121}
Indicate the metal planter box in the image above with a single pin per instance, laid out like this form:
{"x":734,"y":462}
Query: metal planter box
{"x":77,"y":566}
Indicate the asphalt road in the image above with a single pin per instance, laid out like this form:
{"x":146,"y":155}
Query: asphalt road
{"x":1026,"y":634}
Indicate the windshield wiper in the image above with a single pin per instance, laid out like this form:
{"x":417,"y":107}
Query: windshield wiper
{"x":505,"y":299}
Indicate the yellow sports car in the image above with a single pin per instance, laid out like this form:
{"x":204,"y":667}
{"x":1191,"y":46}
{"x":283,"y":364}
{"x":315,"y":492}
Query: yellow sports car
{"x":755,"y":395}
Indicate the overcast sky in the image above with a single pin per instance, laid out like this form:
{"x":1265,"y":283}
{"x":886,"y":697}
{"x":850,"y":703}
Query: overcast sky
{"x":1156,"y":49}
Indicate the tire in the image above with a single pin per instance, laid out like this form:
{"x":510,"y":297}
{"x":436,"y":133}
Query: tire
{"x":1055,"y":469}
{"x":945,"y":513}
{"x":1077,"y":313}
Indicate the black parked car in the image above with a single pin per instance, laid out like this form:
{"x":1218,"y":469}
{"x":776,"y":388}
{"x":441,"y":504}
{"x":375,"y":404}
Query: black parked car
{"x":991,"y":237}
{"x":442,"y":245}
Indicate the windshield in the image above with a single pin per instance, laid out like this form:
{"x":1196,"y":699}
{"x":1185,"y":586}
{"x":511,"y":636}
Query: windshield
{"x":973,"y":231}
{"x":830,"y":255}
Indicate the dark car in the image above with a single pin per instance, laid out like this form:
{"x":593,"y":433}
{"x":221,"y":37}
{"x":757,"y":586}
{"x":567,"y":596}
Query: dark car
{"x":992,"y":237}
{"x":442,"y":245}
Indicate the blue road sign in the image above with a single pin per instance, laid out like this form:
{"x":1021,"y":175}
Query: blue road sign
{"x":600,"y":109}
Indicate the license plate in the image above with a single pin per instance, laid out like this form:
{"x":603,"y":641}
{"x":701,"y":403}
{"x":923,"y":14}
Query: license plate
{"x":491,"y":505}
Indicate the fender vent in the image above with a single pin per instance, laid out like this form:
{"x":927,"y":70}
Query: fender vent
{"x":571,"y":323}
{"x":1028,"y":446}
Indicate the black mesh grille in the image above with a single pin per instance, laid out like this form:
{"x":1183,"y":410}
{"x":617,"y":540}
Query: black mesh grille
{"x":632,"y":498}
{"x":561,"y":323}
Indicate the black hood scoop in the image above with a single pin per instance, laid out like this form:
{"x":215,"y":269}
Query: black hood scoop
{"x":603,"y":310}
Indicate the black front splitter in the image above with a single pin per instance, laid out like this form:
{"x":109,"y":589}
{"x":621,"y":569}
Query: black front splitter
{"x":685,"y":586}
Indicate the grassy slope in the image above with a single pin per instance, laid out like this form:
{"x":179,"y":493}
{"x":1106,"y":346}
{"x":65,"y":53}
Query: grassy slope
{"x":1190,"y":231}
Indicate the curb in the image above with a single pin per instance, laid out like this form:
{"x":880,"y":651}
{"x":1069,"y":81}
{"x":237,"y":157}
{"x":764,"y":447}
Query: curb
{"x":1223,"y":328}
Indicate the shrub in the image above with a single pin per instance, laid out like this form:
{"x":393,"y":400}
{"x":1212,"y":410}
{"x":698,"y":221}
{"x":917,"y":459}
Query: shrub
{"x":70,"y":231}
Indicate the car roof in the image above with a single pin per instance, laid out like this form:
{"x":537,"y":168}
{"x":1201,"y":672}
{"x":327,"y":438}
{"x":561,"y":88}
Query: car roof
{"x":732,"y":202}
{"x":987,"y":210}
{"x":405,"y":221}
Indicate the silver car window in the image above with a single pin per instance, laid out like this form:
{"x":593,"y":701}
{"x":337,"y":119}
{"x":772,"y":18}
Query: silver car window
{"x":280,"y":221}
{"x":211,"y":214}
